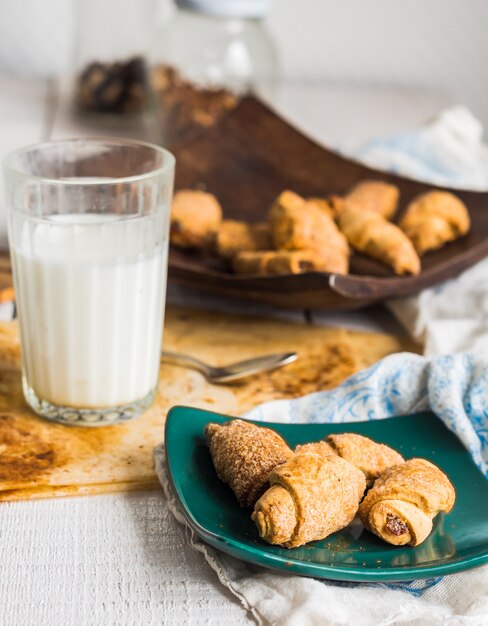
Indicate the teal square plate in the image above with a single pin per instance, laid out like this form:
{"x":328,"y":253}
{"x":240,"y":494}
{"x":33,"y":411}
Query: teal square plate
{"x":459,"y":541}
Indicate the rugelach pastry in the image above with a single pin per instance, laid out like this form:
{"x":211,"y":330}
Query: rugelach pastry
{"x":404,"y":500}
{"x":233,"y":236}
{"x":373,"y":235}
{"x":370,"y":457}
{"x":244,"y":454}
{"x":433,"y":219}
{"x":195,"y":215}
{"x":324,"y":204}
{"x":299,"y":224}
{"x":375,"y":196}
{"x":290,"y":262}
{"x":310,"y":498}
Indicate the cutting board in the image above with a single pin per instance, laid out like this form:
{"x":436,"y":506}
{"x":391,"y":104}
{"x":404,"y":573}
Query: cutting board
{"x":6,"y":291}
{"x":40,"y":459}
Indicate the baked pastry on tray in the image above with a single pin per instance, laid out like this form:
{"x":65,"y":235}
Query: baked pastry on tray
{"x":290,"y":262}
{"x":299,"y":224}
{"x":375,"y":236}
{"x":314,"y":234}
{"x":195,"y":216}
{"x":375,"y":196}
{"x":433,"y":219}
{"x":234,"y":236}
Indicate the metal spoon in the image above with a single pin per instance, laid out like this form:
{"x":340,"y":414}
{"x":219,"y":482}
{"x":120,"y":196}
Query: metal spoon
{"x":234,"y":371}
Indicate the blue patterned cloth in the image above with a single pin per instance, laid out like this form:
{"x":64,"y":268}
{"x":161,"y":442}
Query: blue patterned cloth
{"x":454,"y":387}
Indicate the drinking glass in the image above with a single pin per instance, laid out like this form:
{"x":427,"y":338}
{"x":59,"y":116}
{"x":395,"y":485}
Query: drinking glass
{"x":88,"y":223}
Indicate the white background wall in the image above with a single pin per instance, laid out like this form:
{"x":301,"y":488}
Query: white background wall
{"x":433,"y":44}
{"x":430,"y":43}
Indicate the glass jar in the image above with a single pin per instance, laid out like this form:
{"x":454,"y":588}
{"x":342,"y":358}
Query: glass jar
{"x":210,"y":54}
{"x":110,"y":68}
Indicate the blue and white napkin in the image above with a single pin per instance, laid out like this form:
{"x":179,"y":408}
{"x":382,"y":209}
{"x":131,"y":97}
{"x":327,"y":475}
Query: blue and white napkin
{"x":451,"y":380}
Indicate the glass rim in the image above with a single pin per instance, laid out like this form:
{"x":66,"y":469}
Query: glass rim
{"x":166,"y":166}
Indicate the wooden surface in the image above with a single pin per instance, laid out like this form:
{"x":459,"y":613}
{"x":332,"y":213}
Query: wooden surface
{"x":6,"y":290}
{"x":252,"y":155}
{"x":41,"y":459}
{"x":122,"y":559}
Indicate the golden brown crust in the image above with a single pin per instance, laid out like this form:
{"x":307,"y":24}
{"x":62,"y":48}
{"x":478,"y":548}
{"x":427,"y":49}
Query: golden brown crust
{"x":298,"y":224}
{"x":375,"y":196}
{"x":408,"y":495}
{"x":233,"y":236}
{"x":322,"y":448}
{"x":252,"y":262}
{"x":244,"y":454}
{"x":370,"y":457}
{"x":371,"y":234}
{"x":435,"y":218}
{"x":289,"y":262}
{"x":324,"y":204}
{"x":195,"y":216}
{"x":275,"y":515}
{"x":325,"y":492}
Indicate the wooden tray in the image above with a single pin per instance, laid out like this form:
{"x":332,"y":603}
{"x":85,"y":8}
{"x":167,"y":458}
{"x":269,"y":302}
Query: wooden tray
{"x":247,"y":159}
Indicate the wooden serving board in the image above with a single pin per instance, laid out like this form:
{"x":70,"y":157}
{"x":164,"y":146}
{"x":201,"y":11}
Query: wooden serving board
{"x":40,"y":459}
{"x":6,"y":290}
{"x":253,"y":154}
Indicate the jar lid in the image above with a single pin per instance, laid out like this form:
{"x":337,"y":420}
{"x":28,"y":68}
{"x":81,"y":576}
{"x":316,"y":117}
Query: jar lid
{"x":227,"y":8}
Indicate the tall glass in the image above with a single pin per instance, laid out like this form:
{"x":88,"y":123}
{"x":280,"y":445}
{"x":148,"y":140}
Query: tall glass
{"x":88,"y":227}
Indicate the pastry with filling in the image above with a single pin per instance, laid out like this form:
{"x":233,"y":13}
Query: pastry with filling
{"x":233,"y":236}
{"x":433,"y":219}
{"x":299,"y":224}
{"x":244,"y":454}
{"x":195,"y":216}
{"x":374,"y":196}
{"x":370,"y":457}
{"x":404,"y":500}
{"x":324,"y":204}
{"x":290,"y":262}
{"x":310,"y":497}
{"x":373,"y":235}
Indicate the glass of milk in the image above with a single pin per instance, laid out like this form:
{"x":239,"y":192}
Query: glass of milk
{"x":88,"y":227}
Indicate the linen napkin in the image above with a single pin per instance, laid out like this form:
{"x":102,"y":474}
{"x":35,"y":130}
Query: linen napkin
{"x":452,"y":317}
{"x":449,"y":319}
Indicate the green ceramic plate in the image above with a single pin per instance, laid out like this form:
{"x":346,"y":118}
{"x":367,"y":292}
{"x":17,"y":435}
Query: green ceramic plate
{"x":459,"y":540}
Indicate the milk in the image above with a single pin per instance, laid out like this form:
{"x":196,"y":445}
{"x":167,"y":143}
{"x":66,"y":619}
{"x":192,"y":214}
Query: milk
{"x":89,"y":291}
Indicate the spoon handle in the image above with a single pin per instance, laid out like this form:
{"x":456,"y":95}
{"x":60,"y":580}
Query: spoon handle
{"x":184,"y":360}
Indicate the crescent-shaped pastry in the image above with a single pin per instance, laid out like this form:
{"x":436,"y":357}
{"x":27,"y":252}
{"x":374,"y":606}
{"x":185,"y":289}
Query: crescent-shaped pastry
{"x":290,"y":262}
{"x":376,"y":196}
{"x":299,"y":224}
{"x":244,"y":454}
{"x":375,"y":236}
{"x":233,"y":236}
{"x":195,"y":216}
{"x":435,"y":218}
{"x":370,"y":457}
{"x":404,"y":500}
{"x":310,"y":498}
